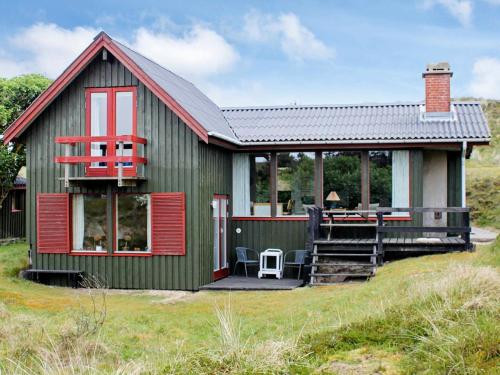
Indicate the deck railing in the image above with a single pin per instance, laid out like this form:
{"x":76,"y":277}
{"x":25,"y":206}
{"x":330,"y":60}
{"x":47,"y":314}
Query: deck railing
{"x":319,"y":219}
{"x":118,"y":158}
{"x":464,"y":230}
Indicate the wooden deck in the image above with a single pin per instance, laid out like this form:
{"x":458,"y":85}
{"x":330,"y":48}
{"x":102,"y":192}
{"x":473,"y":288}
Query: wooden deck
{"x":253,"y":283}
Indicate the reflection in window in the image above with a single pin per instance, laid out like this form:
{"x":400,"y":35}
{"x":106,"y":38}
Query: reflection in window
{"x":342,"y":180}
{"x":90,"y":232}
{"x":124,"y":122}
{"x":380,"y":179}
{"x":132,"y":222}
{"x":260,"y":185}
{"x":252,"y":184}
{"x":98,"y":124}
{"x":295,"y":182}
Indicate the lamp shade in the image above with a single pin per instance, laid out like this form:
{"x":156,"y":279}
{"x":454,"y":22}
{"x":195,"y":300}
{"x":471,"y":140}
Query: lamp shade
{"x":333,"y":197}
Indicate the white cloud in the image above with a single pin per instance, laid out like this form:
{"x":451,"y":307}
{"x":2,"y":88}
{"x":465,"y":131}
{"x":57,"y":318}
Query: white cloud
{"x":460,"y":9}
{"x":486,"y":78}
{"x":199,"y":52}
{"x":46,"y":49}
{"x":49,"y":49}
{"x":296,"y":40}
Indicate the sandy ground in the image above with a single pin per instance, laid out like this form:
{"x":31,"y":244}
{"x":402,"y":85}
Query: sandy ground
{"x":479,"y":235}
{"x":158,"y":296}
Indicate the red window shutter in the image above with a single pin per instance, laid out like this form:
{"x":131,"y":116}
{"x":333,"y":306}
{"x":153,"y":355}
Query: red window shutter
{"x":53,"y":223}
{"x":168,"y":223}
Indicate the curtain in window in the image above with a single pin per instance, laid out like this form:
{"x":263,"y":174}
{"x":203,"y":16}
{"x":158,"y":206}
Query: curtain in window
{"x":400,"y":179}
{"x":78,"y":222}
{"x":241,"y":185}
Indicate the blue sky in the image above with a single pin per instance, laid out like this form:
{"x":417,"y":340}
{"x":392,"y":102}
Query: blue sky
{"x":273,"y":52}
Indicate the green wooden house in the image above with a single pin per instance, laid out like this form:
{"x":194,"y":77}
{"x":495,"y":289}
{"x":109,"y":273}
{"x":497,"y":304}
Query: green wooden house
{"x":136,"y":177}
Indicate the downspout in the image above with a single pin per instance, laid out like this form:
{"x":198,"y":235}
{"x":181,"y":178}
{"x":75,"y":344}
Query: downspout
{"x":464,"y":154}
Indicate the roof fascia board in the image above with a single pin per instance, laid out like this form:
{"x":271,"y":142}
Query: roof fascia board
{"x":223,"y":141}
{"x":103,"y":40}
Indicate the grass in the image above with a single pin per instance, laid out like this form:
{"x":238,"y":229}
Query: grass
{"x":438,"y":312}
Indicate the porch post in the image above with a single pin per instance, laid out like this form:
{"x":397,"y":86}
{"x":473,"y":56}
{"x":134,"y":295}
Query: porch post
{"x":365,"y":181}
{"x":318,"y":179}
{"x":462,"y":172}
{"x":274,"y":183}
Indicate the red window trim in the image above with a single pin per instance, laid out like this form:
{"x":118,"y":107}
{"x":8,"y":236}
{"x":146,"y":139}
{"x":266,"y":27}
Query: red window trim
{"x":110,"y":170}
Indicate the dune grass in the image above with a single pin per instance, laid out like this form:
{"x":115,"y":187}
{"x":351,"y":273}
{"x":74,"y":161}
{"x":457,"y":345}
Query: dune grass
{"x":436,"y":312}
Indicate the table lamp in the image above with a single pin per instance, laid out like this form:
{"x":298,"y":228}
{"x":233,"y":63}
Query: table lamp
{"x":333,"y":197}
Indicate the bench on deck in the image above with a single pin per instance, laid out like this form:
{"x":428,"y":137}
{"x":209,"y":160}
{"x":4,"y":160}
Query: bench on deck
{"x":74,"y":276}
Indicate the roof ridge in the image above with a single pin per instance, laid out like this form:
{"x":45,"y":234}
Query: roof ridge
{"x":306,"y":106}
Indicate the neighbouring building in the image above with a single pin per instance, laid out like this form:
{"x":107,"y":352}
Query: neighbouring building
{"x":13,"y":213}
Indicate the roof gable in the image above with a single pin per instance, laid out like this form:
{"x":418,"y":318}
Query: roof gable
{"x":192,"y":106}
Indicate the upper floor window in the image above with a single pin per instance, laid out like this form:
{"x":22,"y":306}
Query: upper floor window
{"x":111,"y":112}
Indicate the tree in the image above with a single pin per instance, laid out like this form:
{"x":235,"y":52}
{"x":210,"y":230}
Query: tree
{"x":16,"y":94}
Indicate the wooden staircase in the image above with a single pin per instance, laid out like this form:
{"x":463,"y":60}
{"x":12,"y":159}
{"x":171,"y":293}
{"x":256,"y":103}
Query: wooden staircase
{"x":342,"y":260}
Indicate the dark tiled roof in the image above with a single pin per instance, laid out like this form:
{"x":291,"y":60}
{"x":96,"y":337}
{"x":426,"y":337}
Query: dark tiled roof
{"x":364,"y":122}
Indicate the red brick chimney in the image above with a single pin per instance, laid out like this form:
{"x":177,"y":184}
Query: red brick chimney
{"x":437,"y":87}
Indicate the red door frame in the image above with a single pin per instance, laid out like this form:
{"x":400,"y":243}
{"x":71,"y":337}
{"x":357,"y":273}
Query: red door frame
{"x":223,"y":271}
{"x":111,"y":169}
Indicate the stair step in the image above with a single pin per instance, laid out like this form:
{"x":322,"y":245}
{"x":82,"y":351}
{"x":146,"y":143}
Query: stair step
{"x":341,"y":274}
{"x":344,"y":254}
{"x":338,"y":248}
{"x":342,"y":264}
{"x":349,"y":225}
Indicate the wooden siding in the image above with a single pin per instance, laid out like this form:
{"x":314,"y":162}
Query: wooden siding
{"x":215,"y":178}
{"x":13,"y":224}
{"x":174,"y":165}
{"x":261,"y":235}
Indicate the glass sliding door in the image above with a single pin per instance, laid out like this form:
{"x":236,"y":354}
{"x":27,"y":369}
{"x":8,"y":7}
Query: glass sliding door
{"x":220,"y":207}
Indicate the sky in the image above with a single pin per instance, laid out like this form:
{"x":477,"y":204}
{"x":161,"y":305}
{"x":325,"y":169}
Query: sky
{"x":243,"y":53}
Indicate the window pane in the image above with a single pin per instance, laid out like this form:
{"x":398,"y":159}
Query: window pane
{"x":342,"y":179}
{"x":260,"y":184}
{"x":380,"y":179}
{"x":124,"y":122}
{"x":98,"y":124}
{"x":124,"y":113}
{"x":132,"y":215}
{"x":90,"y":232}
{"x":295,"y":182}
